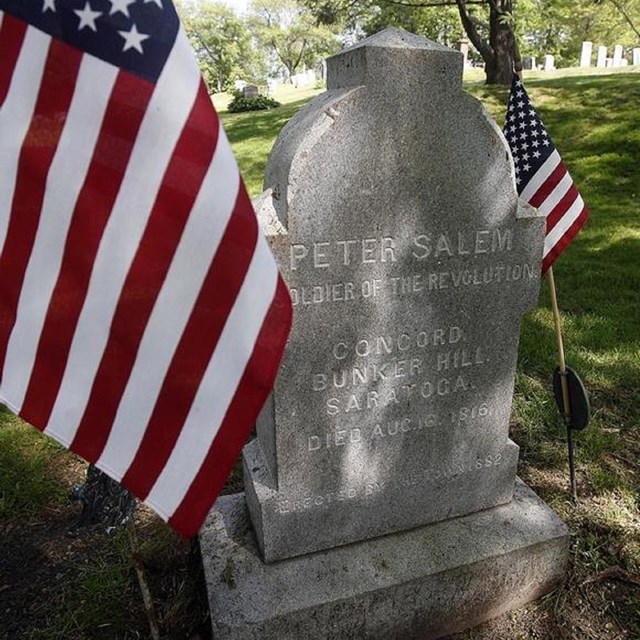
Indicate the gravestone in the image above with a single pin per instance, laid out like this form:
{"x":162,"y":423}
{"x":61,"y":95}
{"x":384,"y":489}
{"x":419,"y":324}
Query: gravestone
{"x":549,"y":63}
{"x":463,"y":48}
{"x":585,"y":54}
{"x":601,"y":61}
{"x":250,"y":91}
{"x":381,"y":488}
{"x":636,"y":56}
{"x":617,"y":55}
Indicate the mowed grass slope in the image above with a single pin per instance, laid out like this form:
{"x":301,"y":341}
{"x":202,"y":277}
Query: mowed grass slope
{"x":595,"y":124}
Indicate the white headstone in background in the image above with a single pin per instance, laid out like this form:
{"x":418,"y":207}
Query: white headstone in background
{"x":601,"y":62}
{"x":636,"y":56}
{"x":463,"y":48}
{"x":585,"y":56}
{"x":549,"y":63}
{"x":617,"y":55}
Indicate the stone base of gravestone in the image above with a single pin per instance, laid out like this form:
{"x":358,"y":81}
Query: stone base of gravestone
{"x":424,"y":583}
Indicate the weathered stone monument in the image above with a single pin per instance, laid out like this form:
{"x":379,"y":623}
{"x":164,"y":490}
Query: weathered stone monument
{"x":381,"y":493}
{"x":636,"y":56}
{"x":549,"y":63}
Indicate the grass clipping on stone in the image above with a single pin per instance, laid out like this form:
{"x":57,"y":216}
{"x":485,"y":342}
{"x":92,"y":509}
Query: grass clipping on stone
{"x":54,"y":587}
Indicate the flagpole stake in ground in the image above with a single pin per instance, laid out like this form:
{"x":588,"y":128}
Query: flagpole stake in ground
{"x":543,"y":181}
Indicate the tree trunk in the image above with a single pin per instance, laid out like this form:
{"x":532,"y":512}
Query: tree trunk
{"x":499,"y":67}
{"x":498,"y":54}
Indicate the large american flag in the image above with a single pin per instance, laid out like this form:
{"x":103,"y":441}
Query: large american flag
{"x":542,"y":179}
{"x":142,"y":316}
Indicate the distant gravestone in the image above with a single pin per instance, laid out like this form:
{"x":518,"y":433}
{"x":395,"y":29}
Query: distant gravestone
{"x":636,"y":56}
{"x":250,"y":91}
{"x":463,"y":48}
{"x":529,"y":63}
{"x":382,"y":477}
{"x":601,"y":61}
{"x":585,"y":54}
{"x":617,"y":55}
{"x":549,"y":63}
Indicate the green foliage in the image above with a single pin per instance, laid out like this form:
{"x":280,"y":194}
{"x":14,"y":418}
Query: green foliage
{"x":257,"y":103}
{"x":222,"y":44}
{"x":290,"y":32}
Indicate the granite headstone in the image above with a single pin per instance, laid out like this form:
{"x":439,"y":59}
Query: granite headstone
{"x":391,"y":409}
{"x":391,"y":207}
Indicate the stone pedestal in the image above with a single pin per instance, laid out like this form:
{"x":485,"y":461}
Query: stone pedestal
{"x":419,"y":584}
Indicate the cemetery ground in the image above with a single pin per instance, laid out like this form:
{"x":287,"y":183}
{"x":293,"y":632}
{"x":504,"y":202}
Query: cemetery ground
{"x":53,"y":586}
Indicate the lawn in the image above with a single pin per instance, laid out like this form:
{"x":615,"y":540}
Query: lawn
{"x":88,"y":585}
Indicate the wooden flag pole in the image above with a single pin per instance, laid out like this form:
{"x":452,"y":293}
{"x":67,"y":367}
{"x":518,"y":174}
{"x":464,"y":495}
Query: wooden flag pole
{"x":566,"y":402}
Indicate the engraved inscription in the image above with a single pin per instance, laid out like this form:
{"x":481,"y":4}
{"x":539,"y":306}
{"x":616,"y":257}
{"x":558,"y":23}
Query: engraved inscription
{"x":413,"y":284}
{"x":325,"y":254}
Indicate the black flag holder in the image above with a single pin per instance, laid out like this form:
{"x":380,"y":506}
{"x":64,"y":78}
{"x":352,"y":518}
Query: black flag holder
{"x":570,"y":394}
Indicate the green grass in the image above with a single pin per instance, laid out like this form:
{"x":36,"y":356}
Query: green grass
{"x":25,"y":457}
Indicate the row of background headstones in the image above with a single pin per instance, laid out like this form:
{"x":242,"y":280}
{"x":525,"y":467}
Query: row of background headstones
{"x":585,"y":57}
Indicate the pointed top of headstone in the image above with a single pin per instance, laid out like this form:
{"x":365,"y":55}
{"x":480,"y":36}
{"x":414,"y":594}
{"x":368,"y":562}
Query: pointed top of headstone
{"x":393,"y":59}
{"x":392,"y":37}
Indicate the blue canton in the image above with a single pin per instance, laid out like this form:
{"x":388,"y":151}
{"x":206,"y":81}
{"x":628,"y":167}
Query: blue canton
{"x":528,"y":139}
{"x":135,"y":35}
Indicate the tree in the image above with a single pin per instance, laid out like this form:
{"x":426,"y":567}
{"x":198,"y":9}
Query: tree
{"x":222,"y":44}
{"x":291,"y":33}
{"x":488,"y":24}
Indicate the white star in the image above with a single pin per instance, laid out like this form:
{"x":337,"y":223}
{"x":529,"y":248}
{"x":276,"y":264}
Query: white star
{"x":511,"y":107}
{"x":158,"y":2}
{"x":534,"y":143}
{"x":512,"y":117}
{"x":120,"y":5}
{"x":536,"y":154}
{"x":133,"y":39}
{"x":523,"y":136}
{"x":519,"y":94}
{"x":523,"y":125}
{"x":520,"y":104}
{"x":533,"y":122}
{"x":518,"y":181}
{"x":544,"y":133}
{"x":532,"y":112}
{"x":534,"y":134}
{"x":525,"y":146}
{"x":48,"y":4}
{"x":517,"y":170}
{"x":512,"y":128}
{"x":525,"y":156}
{"x":527,"y":167}
{"x":87,"y":17}
{"x":545,"y":143}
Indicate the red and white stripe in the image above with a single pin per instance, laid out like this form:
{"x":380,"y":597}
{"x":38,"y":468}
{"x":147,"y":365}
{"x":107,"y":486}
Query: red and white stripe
{"x":552,"y":191}
{"x":142,"y":316}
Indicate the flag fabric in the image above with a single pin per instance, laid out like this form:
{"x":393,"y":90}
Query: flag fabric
{"x":542,"y":179}
{"x":142,"y":316}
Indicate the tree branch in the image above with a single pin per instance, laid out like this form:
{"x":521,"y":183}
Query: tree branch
{"x":470,"y":28}
{"x":621,"y":9}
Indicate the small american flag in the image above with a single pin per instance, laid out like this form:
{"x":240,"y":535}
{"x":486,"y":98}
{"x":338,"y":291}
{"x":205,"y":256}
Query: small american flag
{"x":142,"y":316}
{"x":541,"y":177}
